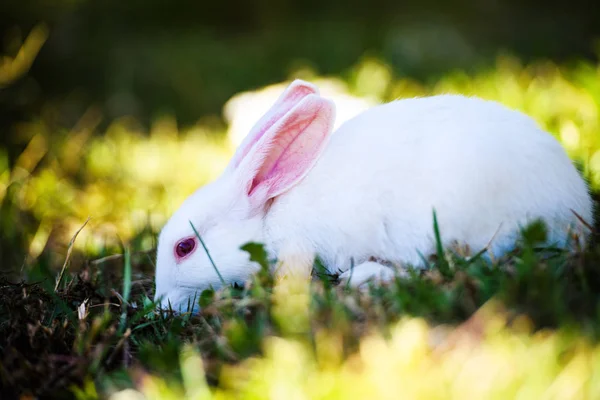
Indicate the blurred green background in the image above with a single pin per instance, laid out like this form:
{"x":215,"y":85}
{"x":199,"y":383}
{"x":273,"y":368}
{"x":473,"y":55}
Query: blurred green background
{"x":118,"y":110}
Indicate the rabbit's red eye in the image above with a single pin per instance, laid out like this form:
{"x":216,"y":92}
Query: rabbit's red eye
{"x":185,"y":247}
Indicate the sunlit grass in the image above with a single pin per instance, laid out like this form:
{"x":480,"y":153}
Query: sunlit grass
{"x":483,"y":359}
{"x":12,"y":68}
{"x":127,"y":180}
{"x":525,"y":327}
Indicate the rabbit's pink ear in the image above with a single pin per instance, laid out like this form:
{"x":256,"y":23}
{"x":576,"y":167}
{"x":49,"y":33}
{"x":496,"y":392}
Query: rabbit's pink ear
{"x":288,"y":150}
{"x":293,"y":94}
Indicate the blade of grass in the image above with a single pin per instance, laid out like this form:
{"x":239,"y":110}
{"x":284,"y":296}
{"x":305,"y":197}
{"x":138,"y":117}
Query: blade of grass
{"x":426,"y":263}
{"x":68,"y":257}
{"x":126,"y":288}
{"x":127,"y":275}
{"x":351,"y":273}
{"x":584,"y":222}
{"x":442,"y":264}
{"x":208,"y":254}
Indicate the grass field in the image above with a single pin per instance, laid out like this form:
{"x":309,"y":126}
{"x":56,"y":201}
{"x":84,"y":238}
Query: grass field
{"x":77,"y":319}
{"x":528,"y":326}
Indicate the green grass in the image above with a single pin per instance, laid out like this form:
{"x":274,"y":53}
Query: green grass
{"x":99,"y":333}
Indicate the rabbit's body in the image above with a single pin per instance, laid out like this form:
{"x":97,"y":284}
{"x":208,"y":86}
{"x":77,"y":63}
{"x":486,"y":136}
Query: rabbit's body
{"x":485,"y":169}
{"x":369,"y":190}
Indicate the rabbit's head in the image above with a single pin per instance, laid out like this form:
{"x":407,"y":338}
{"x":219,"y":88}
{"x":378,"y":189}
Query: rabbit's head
{"x":227,"y":213}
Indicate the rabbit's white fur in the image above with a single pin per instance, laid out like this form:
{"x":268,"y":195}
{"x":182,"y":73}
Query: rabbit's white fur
{"x":485,"y":169}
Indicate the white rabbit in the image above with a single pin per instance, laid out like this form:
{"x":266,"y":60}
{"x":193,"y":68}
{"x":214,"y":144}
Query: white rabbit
{"x":369,"y":190}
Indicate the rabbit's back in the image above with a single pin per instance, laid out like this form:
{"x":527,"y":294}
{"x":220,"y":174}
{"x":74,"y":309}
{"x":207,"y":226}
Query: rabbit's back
{"x":485,"y":169}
